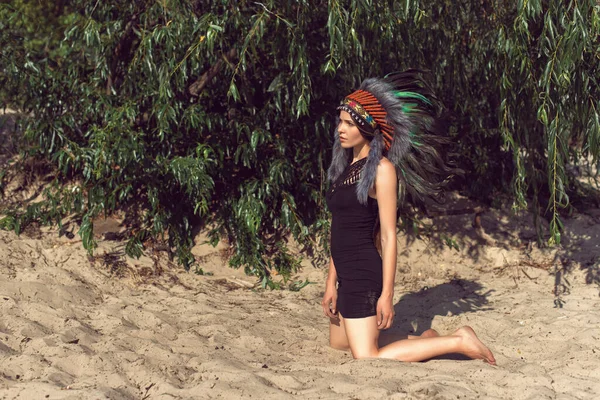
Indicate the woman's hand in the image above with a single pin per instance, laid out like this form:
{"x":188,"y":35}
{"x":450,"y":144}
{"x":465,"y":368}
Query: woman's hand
{"x":385,"y":311}
{"x":329,"y":302}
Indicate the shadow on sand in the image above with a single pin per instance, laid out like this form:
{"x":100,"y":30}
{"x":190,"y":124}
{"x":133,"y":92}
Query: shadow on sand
{"x":467,"y":225}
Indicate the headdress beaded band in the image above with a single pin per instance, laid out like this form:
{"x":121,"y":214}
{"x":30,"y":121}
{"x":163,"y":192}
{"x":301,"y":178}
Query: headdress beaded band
{"x":370,"y":115}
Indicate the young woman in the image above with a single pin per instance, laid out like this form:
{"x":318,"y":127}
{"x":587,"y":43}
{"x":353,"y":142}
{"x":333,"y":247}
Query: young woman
{"x":384,"y":136}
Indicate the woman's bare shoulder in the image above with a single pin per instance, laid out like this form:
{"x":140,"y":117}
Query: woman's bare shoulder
{"x":386,"y":170}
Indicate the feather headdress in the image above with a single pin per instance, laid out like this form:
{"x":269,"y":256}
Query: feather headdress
{"x":398,"y":114}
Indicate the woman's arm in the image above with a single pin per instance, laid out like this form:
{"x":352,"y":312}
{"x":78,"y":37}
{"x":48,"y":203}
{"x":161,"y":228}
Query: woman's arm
{"x":386,"y":188}
{"x":332,"y":274}
{"x":329,"y":302}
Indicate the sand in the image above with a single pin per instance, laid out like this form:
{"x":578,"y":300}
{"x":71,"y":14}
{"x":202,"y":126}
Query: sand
{"x":75,"y":327}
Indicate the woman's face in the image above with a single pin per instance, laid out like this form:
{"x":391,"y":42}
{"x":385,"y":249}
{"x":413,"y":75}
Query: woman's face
{"x":350,"y":136}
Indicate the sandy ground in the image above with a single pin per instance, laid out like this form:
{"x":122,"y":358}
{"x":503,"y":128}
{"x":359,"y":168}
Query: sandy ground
{"x":75,"y":327}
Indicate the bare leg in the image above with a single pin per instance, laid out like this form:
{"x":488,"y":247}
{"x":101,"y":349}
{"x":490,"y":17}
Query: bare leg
{"x":337,"y":334}
{"x":386,"y":338}
{"x":426,"y":334}
{"x":339,"y":341}
{"x":362,"y":334}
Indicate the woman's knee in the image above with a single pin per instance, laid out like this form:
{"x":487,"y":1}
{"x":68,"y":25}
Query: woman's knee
{"x":338,"y":344}
{"x":364,"y":350}
{"x":364,"y":353}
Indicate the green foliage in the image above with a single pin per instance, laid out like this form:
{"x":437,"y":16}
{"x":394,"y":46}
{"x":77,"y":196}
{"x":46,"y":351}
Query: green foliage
{"x":450,"y":242}
{"x":550,"y":67}
{"x":221,"y":113}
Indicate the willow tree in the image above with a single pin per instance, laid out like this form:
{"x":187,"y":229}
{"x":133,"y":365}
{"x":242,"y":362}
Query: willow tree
{"x":220,"y":114}
{"x":550,"y":64}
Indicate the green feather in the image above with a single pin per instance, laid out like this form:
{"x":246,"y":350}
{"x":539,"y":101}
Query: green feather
{"x":412,"y":95}
{"x":407,"y":107}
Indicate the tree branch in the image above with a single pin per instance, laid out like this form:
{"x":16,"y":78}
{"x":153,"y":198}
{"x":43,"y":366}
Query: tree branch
{"x":120,"y":51}
{"x":200,"y":84}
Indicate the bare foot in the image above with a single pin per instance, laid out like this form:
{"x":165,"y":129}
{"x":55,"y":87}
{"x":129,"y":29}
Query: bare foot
{"x":473,"y":347}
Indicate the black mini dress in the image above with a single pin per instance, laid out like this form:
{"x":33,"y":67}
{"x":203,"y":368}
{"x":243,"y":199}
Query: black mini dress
{"x":356,"y":259}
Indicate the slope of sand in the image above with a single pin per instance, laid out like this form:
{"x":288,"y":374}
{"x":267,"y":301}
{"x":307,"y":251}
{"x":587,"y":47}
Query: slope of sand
{"x":75,"y":327}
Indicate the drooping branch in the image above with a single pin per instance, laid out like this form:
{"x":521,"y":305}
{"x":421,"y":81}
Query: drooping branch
{"x":200,"y":84}
{"x":121,"y":50}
